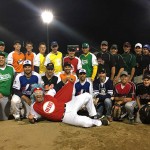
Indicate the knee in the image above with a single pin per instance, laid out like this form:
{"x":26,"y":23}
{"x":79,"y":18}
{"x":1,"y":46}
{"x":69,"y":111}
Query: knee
{"x":128,"y":105}
{"x":108,"y":101}
{"x":15,"y":99}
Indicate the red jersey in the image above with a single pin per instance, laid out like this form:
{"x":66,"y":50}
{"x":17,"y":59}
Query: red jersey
{"x":75,"y":62}
{"x":126,"y":91}
{"x":53,"y":108}
{"x":50,"y":108}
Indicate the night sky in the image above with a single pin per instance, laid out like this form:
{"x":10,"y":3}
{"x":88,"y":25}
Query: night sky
{"x":76,"y":21}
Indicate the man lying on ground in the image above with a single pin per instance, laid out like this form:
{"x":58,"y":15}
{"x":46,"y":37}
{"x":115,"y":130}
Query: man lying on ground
{"x":62,"y":107}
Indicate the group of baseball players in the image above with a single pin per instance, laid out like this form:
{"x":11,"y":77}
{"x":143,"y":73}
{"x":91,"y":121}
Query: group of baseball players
{"x":91,"y":89}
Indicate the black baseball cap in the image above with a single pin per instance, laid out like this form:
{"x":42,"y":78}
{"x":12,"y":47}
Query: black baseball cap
{"x":67,"y":64}
{"x":146,"y":76}
{"x":50,"y":66}
{"x":101,"y":70}
{"x":17,"y":41}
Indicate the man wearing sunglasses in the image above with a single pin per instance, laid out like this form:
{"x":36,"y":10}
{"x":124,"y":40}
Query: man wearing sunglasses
{"x":54,"y":57}
{"x":73,"y":60}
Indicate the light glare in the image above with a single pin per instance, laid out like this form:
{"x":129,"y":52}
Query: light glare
{"x":47,"y":16}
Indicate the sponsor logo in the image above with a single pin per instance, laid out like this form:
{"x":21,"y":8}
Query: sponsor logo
{"x":5,"y":77}
{"x":49,"y":107}
{"x":84,"y":62}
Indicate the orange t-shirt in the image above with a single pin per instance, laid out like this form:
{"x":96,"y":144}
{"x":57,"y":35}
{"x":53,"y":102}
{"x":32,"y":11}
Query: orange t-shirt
{"x":16,"y":60}
{"x":64,"y":76}
{"x":30,"y":57}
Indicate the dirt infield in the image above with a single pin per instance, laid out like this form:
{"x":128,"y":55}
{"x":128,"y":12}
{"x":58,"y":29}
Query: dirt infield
{"x":58,"y":136}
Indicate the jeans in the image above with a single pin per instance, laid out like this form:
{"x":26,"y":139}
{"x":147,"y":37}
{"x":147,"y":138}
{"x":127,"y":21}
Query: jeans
{"x":129,"y":106}
{"x":108,"y":107}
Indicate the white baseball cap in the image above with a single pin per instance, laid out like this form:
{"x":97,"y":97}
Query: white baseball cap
{"x":138,"y":45}
{"x":82,"y":71}
{"x":27,"y":62}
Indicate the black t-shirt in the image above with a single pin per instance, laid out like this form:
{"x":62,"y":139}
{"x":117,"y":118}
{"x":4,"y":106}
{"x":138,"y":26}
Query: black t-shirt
{"x":47,"y":81}
{"x":143,"y":92}
{"x":119,"y":63}
{"x":106,"y":61}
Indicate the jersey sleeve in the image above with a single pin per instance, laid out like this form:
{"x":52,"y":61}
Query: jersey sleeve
{"x":47,"y":59}
{"x":34,"y":113}
{"x":10,"y":58}
{"x":36,"y":61}
{"x":16,"y":83}
{"x":94,"y":60}
{"x":79,"y":66}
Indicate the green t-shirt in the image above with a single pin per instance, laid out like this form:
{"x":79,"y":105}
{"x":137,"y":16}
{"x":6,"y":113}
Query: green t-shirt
{"x":88,"y":61}
{"x":6,"y":79}
{"x":130,"y":61}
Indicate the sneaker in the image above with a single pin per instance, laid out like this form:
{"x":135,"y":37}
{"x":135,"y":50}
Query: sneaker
{"x":105,"y":122}
{"x":131,"y":121}
{"x":109,"y":119}
{"x":17,"y":119}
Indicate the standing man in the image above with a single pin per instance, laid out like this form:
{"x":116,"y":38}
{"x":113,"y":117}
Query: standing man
{"x":119,"y":63}
{"x":29,"y":55}
{"x":16,"y":58}
{"x":89,"y":62}
{"x":54,"y":57}
{"x":106,"y":60}
{"x":139,"y":68}
{"x":129,"y":59}
{"x":2,"y":48}
{"x":22,"y":90}
{"x":40,"y":59}
{"x":6,"y":80}
{"x":73,"y":60}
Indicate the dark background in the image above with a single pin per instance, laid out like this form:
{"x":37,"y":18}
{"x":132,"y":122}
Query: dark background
{"x":76,"y":21}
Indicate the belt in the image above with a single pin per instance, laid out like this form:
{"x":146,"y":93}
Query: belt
{"x":64,"y":112}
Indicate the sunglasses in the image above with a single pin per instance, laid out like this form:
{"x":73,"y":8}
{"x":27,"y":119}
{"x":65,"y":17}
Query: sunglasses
{"x":84,"y":47}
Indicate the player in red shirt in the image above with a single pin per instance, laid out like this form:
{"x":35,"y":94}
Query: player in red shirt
{"x":62,"y":107}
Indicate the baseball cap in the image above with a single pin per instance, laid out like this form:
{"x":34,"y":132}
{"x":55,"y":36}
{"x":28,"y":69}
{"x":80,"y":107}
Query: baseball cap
{"x":146,"y":76}
{"x":124,"y":73}
{"x":17,"y":41}
{"x":101,"y":70}
{"x":146,"y":46}
{"x":85,"y":45}
{"x":127,"y":44}
{"x":67,"y":64}
{"x":104,"y":43}
{"x":27,"y":63}
{"x":50,"y":66}
{"x":2,"y":43}
{"x":2,"y":53}
{"x":114,"y":46}
{"x":82,"y":71}
{"x":138,"y":45}
{"x":54,"y":43}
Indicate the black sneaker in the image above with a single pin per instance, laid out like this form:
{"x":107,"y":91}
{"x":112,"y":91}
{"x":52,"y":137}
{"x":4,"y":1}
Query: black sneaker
{"x":105,"y":122}
{"x":131,"y":121}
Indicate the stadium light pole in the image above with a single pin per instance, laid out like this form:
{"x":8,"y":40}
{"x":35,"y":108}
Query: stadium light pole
{"x":47,"y":17}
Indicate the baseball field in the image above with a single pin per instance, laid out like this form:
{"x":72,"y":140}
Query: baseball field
{"x":59,"y":136}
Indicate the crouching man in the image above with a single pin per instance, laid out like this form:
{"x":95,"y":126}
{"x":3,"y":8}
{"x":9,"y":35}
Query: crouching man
{"x":124,"y":99}
{"x":63,"y":108}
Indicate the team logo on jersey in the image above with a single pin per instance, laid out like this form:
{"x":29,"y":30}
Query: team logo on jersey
{"x":5,"y":77}
{"x":84,"y":62}
{"x":49,"y":107}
